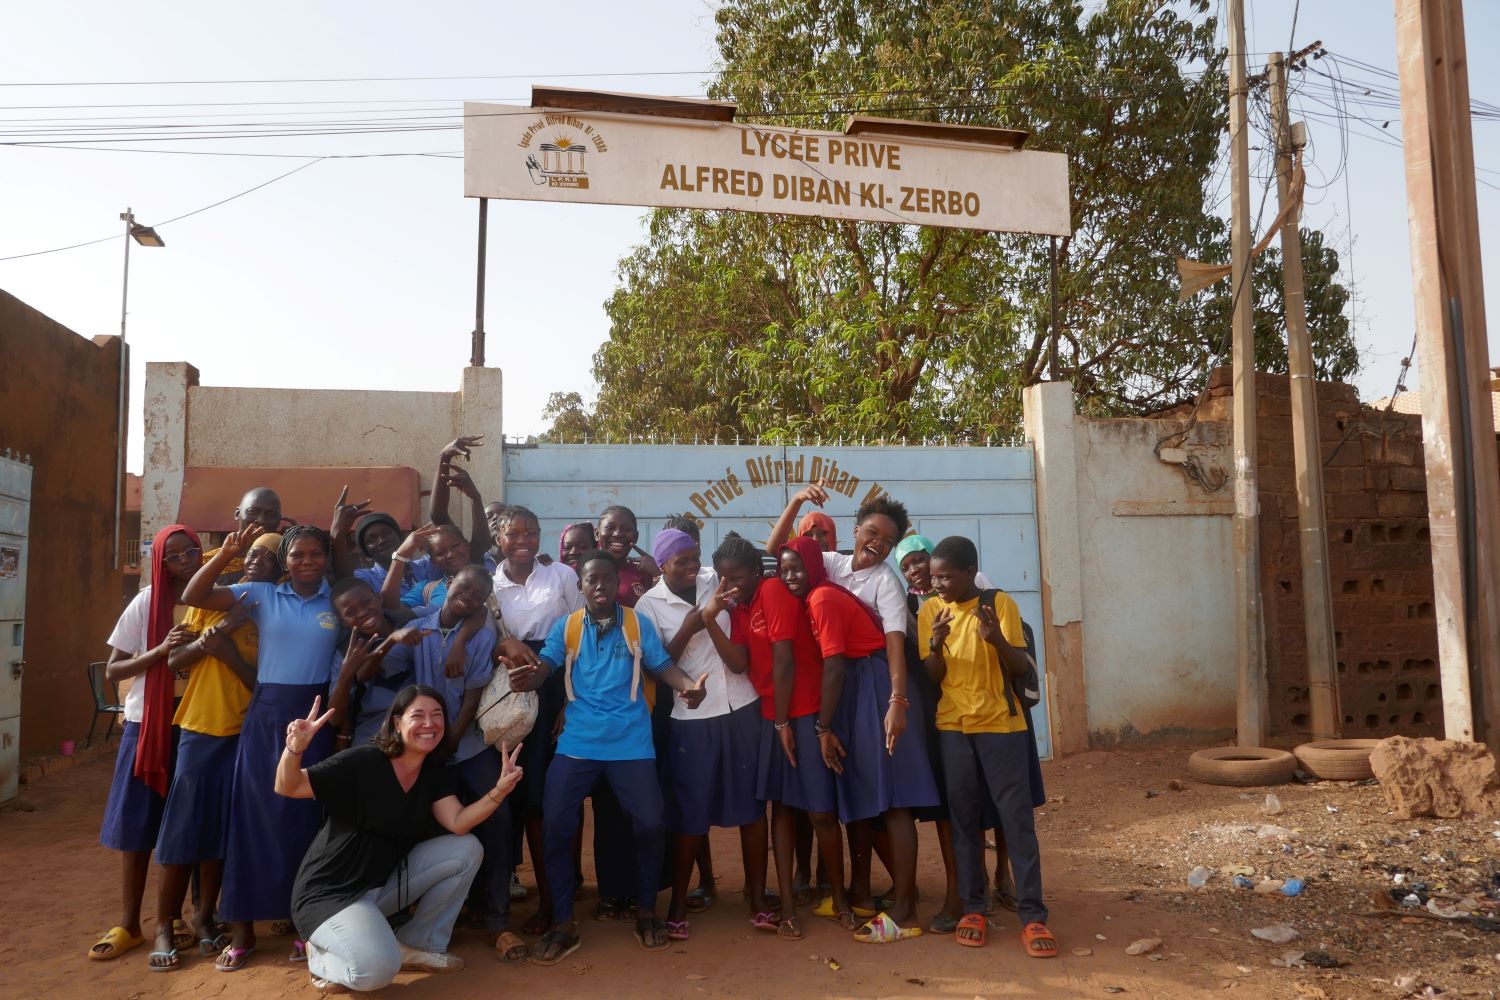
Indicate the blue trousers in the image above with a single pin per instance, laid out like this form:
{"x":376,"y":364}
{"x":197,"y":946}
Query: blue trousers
{"x":569,"y":781}
{"x":491,"y":892}
{"x":994,"y":766}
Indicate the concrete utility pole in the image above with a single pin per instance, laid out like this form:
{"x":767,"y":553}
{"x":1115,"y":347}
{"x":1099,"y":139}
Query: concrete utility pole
{"x":1312,"y":530}
{"x":1250,"y":654}
{"x":1458,"y":432}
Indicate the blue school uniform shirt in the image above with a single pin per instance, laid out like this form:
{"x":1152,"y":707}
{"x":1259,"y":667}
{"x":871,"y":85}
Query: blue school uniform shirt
{"x":297,"y":634}
{"x":425,"y":664}
{"x":603,"y":723}
{"x":417,"y":572}
{"x":414,"y":598}
{"x":375,"y":697}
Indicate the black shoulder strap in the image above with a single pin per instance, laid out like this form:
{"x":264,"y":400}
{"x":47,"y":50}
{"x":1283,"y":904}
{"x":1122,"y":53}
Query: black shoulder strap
{"x":987,"y":596}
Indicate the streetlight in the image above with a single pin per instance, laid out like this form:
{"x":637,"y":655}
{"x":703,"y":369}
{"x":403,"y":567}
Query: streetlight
{"x":146,"y":237}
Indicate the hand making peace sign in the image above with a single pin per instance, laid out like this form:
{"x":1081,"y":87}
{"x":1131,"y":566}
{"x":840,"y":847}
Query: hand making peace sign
{"x":300,"y":732}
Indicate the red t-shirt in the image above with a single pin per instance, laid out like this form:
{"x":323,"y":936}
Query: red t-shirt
{"x":629,"y":577}
{"x":842,"y":624}
{"x":775,"y":615}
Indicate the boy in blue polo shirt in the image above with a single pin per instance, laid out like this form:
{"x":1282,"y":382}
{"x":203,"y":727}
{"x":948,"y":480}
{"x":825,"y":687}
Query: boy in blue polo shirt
{"x":608,"y":735}
{"x":423,"y":648}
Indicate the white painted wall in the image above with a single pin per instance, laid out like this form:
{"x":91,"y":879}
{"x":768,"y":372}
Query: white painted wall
{"x":1140,"y":559}
{"x":217,"y":426}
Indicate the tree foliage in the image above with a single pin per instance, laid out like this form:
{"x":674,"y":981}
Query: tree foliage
{"x":728,"y":324}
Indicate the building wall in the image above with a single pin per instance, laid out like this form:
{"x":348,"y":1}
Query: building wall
{"x":1137,"y":582}
{"x":60,"y":392}
{"x":222,"y":426}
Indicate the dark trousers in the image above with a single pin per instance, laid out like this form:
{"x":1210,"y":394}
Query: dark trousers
{"x":569,"y":781}
{"x":490,"y":893}
{"x":993,"y":766}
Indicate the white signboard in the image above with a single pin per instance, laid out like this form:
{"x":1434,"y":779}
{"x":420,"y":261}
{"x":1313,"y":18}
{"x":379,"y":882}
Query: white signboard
{"x":537,"y":154}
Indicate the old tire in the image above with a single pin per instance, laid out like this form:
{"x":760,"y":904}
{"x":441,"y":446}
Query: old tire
{"x":1242,"y":766}
{"x":1337,"y":760}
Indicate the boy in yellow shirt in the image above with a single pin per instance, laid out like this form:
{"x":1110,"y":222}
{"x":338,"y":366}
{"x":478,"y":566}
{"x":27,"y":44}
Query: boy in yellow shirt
{"x":975,"y":648}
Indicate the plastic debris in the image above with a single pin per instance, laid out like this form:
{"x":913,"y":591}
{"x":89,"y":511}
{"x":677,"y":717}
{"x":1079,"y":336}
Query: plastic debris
{"x":1293,"y":887}
{"x":1289,"y":960}
{"x":1272,"y":832}
{"x":1272,"y":806}
{"x":832,"y":963}
{"x":1199,"y":876}
{"x":1241,"y":882}
{"x":1236,"y":870}
{"x":1100,"y":937}
{"x":1143,"y":946}
{"x":1267,"y":886}
{"x":1399,"y":878}
{"x":1276,"y":933}
{"x":1083,"y":952}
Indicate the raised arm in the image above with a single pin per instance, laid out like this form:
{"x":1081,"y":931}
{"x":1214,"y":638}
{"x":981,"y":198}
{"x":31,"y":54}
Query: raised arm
{"x":411,"y":547}
{"x":480,"y":539}
{"x":344,"y":516}
{"x":291,"y":776}
{"x":438,"y":508}
{"x":785,"y":524}
{"x":203,"y":590}
{"x":457,"y":818}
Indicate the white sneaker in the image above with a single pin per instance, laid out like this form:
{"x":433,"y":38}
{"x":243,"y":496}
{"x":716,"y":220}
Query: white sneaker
{"x":517,"y":890}
{"x":413,"y":960}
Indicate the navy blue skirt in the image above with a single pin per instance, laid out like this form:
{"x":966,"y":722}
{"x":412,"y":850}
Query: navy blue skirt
{"x":873,"y":780}
{"x":1034,"y":765}
{"x":809,"y":786}
{"x":713,"y":771}
{"x":195,"y":824}
{"x":269,"y":833}
{"x":132,"y":815}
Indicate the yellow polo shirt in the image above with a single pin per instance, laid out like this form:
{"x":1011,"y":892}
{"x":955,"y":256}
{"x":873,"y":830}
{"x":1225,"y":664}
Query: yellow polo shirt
{"x":973,"y":692}
{"x":215,"y":700}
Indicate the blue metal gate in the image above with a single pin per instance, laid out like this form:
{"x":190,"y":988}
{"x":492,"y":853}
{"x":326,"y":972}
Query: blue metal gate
{"x":984,"y":493}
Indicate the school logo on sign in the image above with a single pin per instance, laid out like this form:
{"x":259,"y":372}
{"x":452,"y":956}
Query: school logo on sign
{"x":557,"y":151}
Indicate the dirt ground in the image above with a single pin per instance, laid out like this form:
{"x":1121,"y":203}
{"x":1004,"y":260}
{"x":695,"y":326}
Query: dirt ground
{"x":1118,"y":844}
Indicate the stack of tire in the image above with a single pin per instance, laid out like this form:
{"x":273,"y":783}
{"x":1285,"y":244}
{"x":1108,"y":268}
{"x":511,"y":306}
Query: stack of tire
{"x":1326,"y":760}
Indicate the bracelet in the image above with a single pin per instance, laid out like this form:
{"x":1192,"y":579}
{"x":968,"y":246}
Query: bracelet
{"x":294,"y":753}
{"x":900,"y":699}
{"x":821,"y":730}
{"x":398,"y":557}
{"x":491,"y":796}
{"x":779,"y":726}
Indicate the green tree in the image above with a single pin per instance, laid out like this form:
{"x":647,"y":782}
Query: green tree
{"x":728,"y":325}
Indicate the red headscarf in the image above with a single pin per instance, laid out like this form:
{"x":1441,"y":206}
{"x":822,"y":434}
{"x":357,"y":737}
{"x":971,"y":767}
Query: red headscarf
{"x":562,"y":539}
{"x":811,"y":554}
{"x":817,"y":519}
{"x":153,"y":754}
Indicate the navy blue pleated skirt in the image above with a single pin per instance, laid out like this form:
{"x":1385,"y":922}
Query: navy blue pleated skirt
{"x":713,"y":771}
{"x":874,"y":781}
{"x":269,"y":833}
{"x":132,"y":814}
{"x":808,"y":786}
{"x":195,"y":823}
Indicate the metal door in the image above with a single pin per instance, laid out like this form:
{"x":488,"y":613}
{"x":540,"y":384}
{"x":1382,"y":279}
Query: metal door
{"x":15,"y":507}
{"x":984,"y":493}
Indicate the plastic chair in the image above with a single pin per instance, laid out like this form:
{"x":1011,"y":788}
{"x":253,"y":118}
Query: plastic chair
{"x":103,"y":704}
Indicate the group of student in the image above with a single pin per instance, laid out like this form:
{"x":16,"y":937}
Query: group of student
{"x":302,"y":740}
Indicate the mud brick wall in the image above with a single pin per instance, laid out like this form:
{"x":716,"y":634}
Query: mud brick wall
{"x":1379,"y":562}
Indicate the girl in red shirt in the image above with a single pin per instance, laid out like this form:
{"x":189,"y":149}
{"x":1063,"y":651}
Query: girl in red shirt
{"x":770,"y":634}
{"x":872,"y":777}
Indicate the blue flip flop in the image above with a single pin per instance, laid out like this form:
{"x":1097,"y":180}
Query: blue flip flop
{"x":173,"y":962}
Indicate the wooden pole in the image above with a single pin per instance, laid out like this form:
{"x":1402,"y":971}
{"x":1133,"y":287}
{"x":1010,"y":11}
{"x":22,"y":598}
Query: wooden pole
{"x":1250,"y":661}
{"x":1312,"y":533}
{"x":1458,"y":433}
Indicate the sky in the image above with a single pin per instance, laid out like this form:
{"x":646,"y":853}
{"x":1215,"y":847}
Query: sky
{"x":358,"y":270}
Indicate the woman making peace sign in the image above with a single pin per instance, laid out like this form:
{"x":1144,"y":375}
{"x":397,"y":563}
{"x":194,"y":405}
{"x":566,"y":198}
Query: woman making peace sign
{"x":369,"y":859}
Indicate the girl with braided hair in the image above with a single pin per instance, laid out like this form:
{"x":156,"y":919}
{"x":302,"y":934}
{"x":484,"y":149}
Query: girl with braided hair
{"x":269,"y":834}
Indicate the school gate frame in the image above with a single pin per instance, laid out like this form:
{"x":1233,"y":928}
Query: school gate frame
{"x":985,"y":493}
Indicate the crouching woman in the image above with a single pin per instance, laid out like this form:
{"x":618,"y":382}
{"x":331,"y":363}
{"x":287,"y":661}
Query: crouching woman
{"x":370,"y":859}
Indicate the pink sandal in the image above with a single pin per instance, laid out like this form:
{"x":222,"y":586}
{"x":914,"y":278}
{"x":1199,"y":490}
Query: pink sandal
{"x":677,"y":930}
{"x":766,"y":921}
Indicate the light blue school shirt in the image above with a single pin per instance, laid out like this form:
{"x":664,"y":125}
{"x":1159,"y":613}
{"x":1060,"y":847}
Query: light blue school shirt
{"x":297,"y":634}
{"x":603,"y":723}
{"x":375,"y":698}
{"x":425,"y":662}
{"x":417,"y":572}
{"x":413,"y":597}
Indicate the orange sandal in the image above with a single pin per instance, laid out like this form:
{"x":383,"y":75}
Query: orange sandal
{"x":971,"y":930}
{"x":1038,"y":940}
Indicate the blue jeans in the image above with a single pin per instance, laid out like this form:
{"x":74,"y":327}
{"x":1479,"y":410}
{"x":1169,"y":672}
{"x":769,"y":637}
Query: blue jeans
{"x":356,"y":946}
{"x":569,"y":781}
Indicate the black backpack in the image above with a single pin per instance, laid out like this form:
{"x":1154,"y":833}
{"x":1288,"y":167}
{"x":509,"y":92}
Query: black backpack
{"x":1027,"y":686}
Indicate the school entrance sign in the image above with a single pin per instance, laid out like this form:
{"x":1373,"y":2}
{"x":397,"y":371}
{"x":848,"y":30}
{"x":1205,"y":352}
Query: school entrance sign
{"x":618,"y":149}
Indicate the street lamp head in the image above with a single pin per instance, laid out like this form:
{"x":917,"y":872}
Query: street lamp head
{"x":146,"y":236}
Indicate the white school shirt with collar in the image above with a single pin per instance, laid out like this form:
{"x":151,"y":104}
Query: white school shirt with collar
{"x":879,"y":586}
{"x":530,"y":608}
{"x":726,"y":690}
{"x":130,"y":638}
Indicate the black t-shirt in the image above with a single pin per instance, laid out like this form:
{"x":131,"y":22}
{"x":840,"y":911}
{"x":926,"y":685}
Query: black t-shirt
{"x":369,"y":826}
